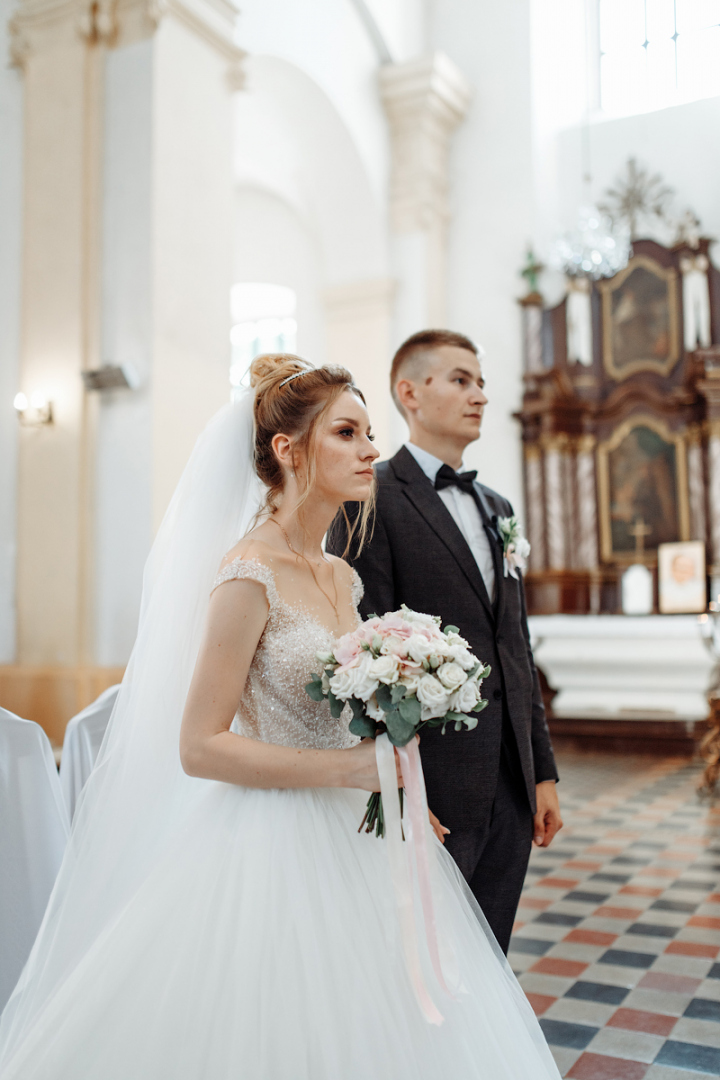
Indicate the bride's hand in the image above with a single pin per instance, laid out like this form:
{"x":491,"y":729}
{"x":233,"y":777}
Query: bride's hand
{"x":440,"y":831}
{"x":363,"y":772}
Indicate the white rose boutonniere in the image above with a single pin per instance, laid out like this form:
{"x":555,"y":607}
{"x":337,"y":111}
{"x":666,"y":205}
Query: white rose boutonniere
{"x":515,"y":547}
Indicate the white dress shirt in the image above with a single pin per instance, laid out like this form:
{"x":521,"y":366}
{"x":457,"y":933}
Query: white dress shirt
{"x":466,"y":515}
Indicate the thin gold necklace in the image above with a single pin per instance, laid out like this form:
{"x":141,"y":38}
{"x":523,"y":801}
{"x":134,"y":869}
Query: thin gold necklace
{"x":300,"y":555}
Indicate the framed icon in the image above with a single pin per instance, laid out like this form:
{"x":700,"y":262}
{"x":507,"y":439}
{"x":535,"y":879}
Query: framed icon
{"x":682,"y":585}
{"x":640,"y":319}
{"x":642,"y":480}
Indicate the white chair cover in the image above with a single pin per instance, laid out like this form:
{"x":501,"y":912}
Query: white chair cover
{"x":83,"y":738}
{"x":34,"y":828}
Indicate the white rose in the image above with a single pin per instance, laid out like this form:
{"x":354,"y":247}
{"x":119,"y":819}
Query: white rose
{"x":392,"y":646}
{"x":411,"y":682}
{"x":373,"y":709}
{"x":433,"y":697}
{"x":466,"y":698}
{"x":356,"y":681}
{"x":417,"y":618}
{"x":451,"y":675}
{"x":462,"y":656}
{"x":522,"y":547}
{"x":456,"y":639}
{"x":385,"y":669}
{"x":419,"y":648}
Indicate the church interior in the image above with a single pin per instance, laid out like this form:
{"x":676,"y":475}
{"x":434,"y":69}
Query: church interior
{"x":187,"y":183}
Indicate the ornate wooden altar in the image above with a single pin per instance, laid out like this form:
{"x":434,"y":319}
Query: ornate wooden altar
{"x":621,"y":425}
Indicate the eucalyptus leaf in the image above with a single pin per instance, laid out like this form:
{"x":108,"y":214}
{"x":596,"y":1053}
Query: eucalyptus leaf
{"x":398,"y":692}
{"x":410,"y":710}
{"x":451,"y":630}
{"x":482,"y":704}
{"x":400,"y":732}
{"x":336,"y":706}
{"x":471,"y":722}
{"x":314,"y":690}
{"x":384,"y":697}
{"x":362,"y":726}
{"x":357,"y":706}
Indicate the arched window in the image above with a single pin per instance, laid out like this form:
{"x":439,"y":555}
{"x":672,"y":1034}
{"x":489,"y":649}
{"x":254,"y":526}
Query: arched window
{"x":263,"y":317}
{"x":655,"y":53}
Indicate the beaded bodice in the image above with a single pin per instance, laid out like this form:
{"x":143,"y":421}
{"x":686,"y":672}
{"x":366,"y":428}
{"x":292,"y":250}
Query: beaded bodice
{"x":275,"y":707}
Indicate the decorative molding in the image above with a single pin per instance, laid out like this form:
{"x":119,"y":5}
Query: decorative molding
{"x":44,"y":24}
{"x":424,"y":101}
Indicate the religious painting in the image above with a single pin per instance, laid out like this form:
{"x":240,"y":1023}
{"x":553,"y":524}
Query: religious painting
{"x":682,"y":585}
{"x":640,"y":319}
{"x":643,"y":490}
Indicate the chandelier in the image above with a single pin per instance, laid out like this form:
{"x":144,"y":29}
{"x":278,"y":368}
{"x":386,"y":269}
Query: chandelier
{"x":596,"y":248}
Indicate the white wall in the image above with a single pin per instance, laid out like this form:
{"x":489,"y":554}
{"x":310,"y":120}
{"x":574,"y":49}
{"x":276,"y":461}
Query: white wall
{"x":327,"y":40}
{"x":682,"y":143}
{"x":274,"y":244}
{"x":123,"y":476}
{"x":491,"y":205}
{"x":10,"y":231}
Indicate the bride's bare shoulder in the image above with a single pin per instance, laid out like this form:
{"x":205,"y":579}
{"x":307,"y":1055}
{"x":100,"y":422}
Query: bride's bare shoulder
{"x":256,"y":547}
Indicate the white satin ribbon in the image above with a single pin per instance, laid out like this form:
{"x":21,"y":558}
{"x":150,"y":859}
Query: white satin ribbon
{"x":419,"y":850}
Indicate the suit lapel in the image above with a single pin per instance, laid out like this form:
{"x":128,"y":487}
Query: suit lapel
{"x":430,"y":506}
{"x":490,"y":523}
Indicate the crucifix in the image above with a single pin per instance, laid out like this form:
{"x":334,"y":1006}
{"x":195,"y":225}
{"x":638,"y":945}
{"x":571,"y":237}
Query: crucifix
{"x":640,"y":530}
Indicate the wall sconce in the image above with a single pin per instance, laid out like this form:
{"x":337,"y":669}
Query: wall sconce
{"x":111,"y":377}
{"x":33,"y":413}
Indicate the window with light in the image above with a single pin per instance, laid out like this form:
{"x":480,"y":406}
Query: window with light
{"x":656,"y":53}
{"x":263,"y":317}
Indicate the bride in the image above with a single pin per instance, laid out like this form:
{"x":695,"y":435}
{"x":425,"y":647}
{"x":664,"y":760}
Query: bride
{"x":217,"y":915}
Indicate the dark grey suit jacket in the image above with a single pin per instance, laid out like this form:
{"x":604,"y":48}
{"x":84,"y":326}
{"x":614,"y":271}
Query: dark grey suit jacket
{"x":418,"y":556}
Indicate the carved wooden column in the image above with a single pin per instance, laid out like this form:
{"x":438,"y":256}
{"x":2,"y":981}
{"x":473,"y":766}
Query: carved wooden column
{"x":696,"y":484}
{"x":586,"y":503}
{"x":534,"y":508}
{"x":555,"y":521}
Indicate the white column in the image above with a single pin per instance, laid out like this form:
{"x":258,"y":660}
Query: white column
{"x":11,"y":141}
{"x":126,"y":255}
{"x":424,"y":101}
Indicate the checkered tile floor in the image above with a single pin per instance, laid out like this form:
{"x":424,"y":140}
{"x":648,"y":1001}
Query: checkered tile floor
{"x":618,"y":932}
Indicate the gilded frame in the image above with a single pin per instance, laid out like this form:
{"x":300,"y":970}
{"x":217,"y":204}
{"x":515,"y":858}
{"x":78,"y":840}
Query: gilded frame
{"x":604,"y":450}
{"x":610,"y":286}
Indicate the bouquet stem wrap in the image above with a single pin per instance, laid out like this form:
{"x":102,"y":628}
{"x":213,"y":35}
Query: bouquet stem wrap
{"x":416,"y":850}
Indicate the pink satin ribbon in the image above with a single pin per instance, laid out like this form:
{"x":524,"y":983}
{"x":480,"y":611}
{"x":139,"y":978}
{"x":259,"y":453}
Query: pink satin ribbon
{"x":415,"y":850}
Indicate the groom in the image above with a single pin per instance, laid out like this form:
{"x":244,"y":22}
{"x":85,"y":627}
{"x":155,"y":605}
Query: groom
{"x":436,"y":547}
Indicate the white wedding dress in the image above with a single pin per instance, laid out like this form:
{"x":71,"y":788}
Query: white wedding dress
{"x":264,"y":944}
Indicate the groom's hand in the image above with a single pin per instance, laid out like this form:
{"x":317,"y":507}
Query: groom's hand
{"x":547,"y":819}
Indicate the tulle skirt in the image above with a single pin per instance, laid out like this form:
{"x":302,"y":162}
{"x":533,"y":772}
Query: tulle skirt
{"x":265,"y":946}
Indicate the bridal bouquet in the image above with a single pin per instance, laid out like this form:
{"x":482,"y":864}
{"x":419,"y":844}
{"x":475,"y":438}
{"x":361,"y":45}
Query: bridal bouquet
{"x":400,"y":673}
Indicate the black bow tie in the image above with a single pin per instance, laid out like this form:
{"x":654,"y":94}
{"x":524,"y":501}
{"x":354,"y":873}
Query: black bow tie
{"x":447,"y":477}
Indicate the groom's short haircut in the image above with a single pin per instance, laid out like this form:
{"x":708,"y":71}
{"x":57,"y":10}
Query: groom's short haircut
{"x":409,"y":360}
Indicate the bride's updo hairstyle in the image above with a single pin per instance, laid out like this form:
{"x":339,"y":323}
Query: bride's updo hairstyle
{"x":293,"y":406}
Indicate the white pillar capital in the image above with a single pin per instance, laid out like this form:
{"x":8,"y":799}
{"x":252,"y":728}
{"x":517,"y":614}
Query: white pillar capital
{"x":41,"y":24}
{"x":424,"y":100}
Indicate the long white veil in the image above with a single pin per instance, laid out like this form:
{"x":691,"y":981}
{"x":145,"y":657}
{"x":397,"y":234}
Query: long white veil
{"x":138,"y":794}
